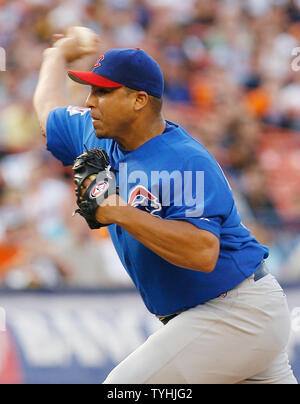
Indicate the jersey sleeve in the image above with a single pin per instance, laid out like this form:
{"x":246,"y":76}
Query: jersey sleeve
{"x":66,"y":130}
{"x":202,"y":196}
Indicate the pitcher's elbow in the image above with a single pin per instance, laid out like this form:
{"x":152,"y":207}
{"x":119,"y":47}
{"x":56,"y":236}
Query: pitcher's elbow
{"x":206,"y":260}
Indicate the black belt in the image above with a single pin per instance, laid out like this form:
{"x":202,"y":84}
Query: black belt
{"x":258,"y":274}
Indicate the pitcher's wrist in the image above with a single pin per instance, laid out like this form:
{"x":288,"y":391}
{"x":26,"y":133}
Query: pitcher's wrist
{"x":54,"y":52}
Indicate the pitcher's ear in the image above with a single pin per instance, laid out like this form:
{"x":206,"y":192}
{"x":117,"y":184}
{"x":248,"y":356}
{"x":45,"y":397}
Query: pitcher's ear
{"x":142,"y":99}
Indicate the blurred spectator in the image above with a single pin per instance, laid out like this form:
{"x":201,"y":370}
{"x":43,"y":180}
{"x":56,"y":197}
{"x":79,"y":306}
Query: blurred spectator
{"x":257,"y":196}
{"x":229,"y":81}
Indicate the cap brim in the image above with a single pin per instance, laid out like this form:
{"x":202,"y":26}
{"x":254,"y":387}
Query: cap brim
{"x":92,"y":79}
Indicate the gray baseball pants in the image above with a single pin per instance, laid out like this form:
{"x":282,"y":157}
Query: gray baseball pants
{"x":240,"y":338}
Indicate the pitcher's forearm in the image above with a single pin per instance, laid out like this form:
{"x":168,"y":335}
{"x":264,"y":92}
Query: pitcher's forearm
{"x":168,"y":239}
{"x":51,"y":91}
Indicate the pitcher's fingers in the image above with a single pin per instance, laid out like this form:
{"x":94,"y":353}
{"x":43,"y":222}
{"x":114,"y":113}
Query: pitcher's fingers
{"x":56,"y":37}
{"x":94,"y":48}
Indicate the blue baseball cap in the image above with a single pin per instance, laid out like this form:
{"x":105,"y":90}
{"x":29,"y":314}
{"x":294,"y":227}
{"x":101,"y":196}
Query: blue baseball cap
{"x":132,"y":68}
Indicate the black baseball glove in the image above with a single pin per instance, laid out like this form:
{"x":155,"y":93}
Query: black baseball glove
{"x":94,"y":165}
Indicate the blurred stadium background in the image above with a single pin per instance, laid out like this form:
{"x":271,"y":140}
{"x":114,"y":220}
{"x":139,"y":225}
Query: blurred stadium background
{"x":72,"y":313}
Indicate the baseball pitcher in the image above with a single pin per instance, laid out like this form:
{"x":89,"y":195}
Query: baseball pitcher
{"x":173,"y":221}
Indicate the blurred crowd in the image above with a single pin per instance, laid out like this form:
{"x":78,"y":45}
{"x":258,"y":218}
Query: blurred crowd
{"x":232,"y":80}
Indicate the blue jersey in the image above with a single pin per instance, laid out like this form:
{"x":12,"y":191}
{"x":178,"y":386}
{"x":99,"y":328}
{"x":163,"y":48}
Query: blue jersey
{"x":176,"y":157}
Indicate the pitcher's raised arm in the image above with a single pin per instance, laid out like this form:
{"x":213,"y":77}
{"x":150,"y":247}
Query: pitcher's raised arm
{"x":51,"y":91}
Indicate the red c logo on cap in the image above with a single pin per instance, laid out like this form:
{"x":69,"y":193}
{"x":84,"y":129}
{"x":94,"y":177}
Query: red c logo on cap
{"x":98,"y":64}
